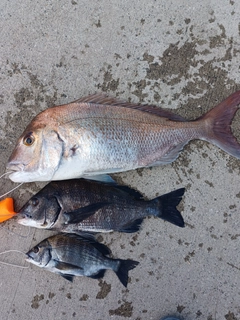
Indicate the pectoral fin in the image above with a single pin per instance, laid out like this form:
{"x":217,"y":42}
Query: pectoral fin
{"x":83,"y":213}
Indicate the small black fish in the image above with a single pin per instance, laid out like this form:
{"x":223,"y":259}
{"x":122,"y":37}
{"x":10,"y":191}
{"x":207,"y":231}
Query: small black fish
{"x":80,"y":205}
{"x":71,"y":255}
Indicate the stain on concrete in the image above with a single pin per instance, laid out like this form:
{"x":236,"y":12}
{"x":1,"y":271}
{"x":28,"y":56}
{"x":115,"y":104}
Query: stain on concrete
{"x":125,"y":310}
{"x":180,"y":308}
{"x":230,"y":316}
{"x":189,"y":256}
{"x":84,"y":297}
{"x":104,"y":291}
{"x":36,"y":299}
{"x":109,"y":83}
{"x":68,"y":295}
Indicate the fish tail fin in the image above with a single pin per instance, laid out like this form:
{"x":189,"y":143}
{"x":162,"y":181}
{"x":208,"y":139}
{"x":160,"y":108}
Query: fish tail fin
{"x":218,"y":125}
{"x":167,"y":207}
{"x":124,"y":267}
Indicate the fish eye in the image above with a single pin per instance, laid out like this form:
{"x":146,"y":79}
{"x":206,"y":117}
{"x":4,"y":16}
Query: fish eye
{"x":35,"y":202}
{"x":35,"y":249}
{"x":29,"y":139}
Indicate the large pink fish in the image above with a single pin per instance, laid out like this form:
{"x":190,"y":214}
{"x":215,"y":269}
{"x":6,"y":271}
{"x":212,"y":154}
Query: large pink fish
{"x":98,"y":135}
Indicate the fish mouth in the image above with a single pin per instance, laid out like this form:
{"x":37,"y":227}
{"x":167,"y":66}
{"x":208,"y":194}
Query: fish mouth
{"x":28,"y":257}
{"x":23,"y":221}
{"x":15,"y":166}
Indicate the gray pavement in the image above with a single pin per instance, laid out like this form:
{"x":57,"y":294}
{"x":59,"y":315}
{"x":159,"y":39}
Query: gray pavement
{"x":178,"y":54}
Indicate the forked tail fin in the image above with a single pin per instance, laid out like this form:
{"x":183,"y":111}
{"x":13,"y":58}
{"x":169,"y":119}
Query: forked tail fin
{"x":168,"y":207}
{"x":124,"y":267}
{"x":218,"y":125}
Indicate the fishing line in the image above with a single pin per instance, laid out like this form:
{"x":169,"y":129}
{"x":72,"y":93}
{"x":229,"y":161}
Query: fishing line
{"x":4,"y":174}
{"x":3,"y":195}
{"x":18,"y":234}
{"x":11,"y":264}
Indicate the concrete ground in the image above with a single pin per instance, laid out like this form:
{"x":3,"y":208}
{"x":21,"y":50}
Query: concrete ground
{"x":176,"y":54}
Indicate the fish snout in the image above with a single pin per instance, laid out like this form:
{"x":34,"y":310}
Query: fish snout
{"x":15,"y":166}
{"x":22,"y":221}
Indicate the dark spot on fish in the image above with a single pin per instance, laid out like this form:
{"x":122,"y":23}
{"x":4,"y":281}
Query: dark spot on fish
{"x":151,"y":273}
{"x":125,"y":310}
{"x":74,"y":314}
{"x":35,"y":302}
{"x":142,"y":255}
{"x":144,"y":311}
{"x":200,"y":245}
{"x":105,"y":289}
{"x":69,"y":296}
{"x":84,"y":297}
{"x":122,"y":246}
{"x":214,"y":236}
{"x":74,"y":2}
{"x":209,"y":249}
{"x":232,"y":206}
{"x":73,"y":150}
{"x":180,"y":308}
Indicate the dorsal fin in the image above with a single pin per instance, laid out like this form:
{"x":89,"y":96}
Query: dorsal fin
{"x":103,"y":99}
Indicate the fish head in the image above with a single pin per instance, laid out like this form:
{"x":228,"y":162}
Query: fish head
{"x":41,"y":211}
{"x":40,"y":255}
{"x":37,"y":153}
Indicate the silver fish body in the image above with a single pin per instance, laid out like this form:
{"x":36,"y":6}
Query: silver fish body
{"x":98,"y":135}
{"x":70,"y":255}
{"x":81,"y":205}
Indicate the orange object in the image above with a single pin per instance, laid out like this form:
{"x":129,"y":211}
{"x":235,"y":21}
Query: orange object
{"x":6,"y":209}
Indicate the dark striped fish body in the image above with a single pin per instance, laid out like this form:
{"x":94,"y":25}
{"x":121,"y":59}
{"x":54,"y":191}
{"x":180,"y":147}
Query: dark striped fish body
{"x":84,"y":205}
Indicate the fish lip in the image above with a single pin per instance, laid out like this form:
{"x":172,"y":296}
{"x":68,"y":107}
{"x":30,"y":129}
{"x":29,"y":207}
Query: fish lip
{"x":15,"y":166}
{"x":28,"y":257}
{"x":21,"y":220}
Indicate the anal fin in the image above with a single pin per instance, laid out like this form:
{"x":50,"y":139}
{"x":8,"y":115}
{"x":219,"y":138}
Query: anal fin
{"x":170,"y":156}
{"x":132,"y":226}
{"x":98,"y":275}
